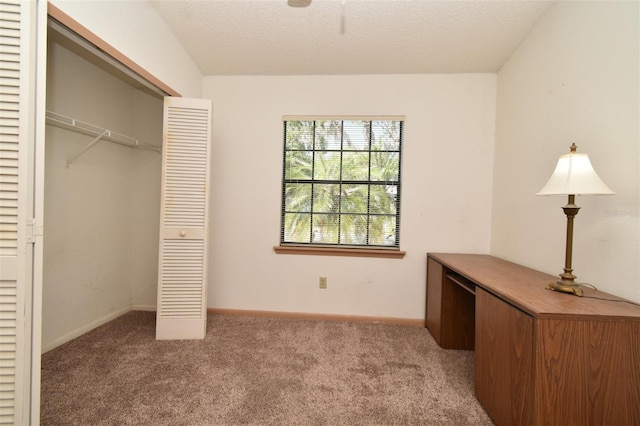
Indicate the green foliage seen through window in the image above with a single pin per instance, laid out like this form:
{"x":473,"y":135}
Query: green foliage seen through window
{"x":341,"y":183}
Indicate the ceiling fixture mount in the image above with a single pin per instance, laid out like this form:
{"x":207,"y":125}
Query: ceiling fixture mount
{"x":298,"y":3}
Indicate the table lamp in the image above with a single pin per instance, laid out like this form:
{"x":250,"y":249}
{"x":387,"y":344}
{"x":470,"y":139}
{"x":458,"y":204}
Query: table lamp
{"x":573,"y":176}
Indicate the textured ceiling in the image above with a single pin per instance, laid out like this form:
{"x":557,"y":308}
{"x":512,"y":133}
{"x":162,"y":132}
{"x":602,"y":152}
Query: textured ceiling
{"x":269,"y":37}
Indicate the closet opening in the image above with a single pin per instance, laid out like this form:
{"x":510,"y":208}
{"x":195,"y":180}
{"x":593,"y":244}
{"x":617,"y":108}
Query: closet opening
{"x":102,"y":176}
{"x":75,"y":37}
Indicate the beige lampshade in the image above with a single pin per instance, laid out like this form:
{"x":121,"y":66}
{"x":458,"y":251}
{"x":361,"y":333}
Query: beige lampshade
{"x":574,"y":174}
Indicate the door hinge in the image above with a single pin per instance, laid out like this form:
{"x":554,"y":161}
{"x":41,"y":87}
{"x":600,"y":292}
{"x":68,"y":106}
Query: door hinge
{"x":33,"y":230}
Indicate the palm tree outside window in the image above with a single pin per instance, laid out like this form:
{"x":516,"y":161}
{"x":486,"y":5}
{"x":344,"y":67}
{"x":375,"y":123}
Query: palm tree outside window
{"x":341,"y":182}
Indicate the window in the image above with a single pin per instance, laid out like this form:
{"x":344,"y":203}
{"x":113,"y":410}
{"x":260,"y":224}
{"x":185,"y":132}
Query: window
{"x":341,"y":182}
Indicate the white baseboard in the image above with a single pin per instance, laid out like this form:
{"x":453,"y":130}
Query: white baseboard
{"x":85,"y":328}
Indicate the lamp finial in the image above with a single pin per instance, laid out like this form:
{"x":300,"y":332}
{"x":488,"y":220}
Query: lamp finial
{"x":573,"y":147}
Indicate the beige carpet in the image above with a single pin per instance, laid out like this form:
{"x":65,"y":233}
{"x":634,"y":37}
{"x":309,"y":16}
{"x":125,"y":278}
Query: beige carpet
{"x":258,"y":371}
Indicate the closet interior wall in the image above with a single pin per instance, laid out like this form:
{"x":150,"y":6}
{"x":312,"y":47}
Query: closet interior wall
{"x":102,"y":211}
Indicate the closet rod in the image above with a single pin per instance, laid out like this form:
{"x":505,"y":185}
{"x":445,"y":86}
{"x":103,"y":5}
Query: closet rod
{"x":99,"y":133}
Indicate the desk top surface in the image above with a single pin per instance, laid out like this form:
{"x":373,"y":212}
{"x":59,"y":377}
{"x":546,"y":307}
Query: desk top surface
{"x":525,"y":288}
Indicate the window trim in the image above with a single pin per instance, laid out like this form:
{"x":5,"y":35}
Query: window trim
{"x":337,"y":249}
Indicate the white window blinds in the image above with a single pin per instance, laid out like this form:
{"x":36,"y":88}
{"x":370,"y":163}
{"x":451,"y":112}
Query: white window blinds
{"x":341,"y":182}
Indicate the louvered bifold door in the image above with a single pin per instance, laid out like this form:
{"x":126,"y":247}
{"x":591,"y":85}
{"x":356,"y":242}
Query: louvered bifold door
{"x":9,"y":151}
{"x":182,"y":277}
{"x":17,"y":85}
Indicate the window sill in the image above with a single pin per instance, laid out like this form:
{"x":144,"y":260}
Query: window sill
{"x":331,"y":251}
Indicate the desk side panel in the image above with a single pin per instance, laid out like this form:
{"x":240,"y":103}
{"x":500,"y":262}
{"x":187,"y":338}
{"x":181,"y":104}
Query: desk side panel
{"x":588,"y":372}
{"x":435,"y":273}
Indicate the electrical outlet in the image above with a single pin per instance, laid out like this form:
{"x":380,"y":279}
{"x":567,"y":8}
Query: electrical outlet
{"x":323,"y":282}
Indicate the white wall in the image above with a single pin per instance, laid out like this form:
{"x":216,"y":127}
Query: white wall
{"x":446,"y":194}
{"x":574,"y":79}
{"x":101,"y":213}
{"x":135,"y":29}
{"x":145,"y":186}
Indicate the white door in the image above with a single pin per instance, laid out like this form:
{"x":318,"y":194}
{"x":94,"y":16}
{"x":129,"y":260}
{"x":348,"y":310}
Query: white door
{"x":21,"y":166}
{"x":184,"y":220}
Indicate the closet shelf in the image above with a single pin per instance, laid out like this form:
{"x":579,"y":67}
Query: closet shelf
{"x":99,"y":133}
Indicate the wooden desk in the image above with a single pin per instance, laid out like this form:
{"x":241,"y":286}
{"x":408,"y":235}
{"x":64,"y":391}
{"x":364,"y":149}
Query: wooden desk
{"x":541,"y":357}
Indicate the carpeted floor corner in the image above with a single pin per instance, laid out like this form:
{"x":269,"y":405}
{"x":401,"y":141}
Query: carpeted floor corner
{"x":258,"y":371}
